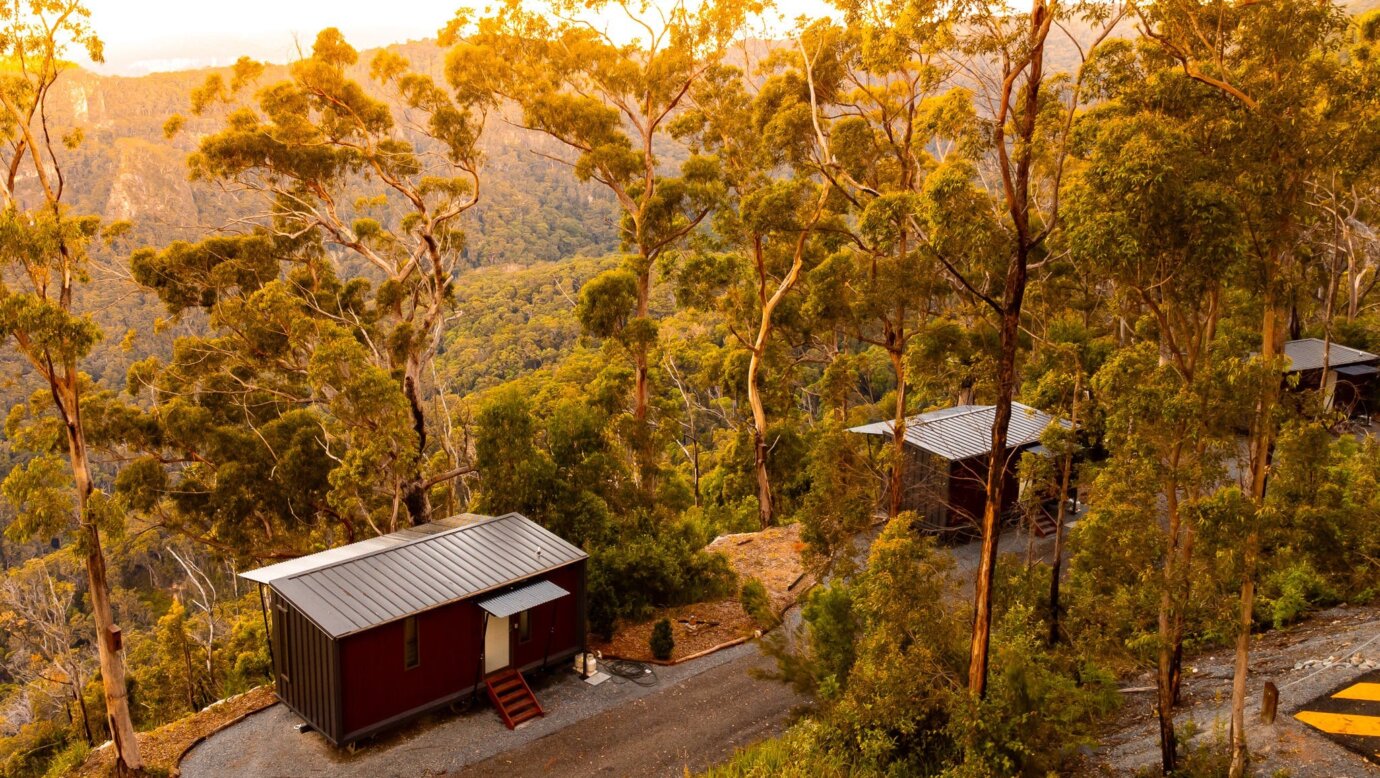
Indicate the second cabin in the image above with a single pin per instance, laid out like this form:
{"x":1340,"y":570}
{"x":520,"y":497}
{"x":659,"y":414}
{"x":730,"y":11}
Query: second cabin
{"x":946,"y":465}
{"x":1347,"y":376}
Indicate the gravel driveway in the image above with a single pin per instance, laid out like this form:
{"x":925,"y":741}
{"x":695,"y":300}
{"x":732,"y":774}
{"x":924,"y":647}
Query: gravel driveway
{"x":696,"y":713}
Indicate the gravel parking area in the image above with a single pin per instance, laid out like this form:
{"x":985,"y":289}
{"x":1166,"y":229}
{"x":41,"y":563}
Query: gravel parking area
{"x":266,"y":744}
{"x":687,"y":727}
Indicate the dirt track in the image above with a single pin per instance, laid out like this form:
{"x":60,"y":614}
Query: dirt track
{"x":1131,"y":742}
{"x":695,"y":724}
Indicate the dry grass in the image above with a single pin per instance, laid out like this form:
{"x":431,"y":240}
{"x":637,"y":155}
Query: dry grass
{"x":772,"y":556}
{"x":162,"y":748}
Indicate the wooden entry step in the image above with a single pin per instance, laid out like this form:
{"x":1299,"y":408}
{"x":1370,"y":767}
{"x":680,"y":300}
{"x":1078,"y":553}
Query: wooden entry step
{"x":1044,"y":524}
{"x":512,"y":697}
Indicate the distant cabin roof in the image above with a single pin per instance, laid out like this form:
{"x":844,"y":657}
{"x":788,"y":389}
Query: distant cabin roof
{"x":1307,"y":354}
{"x":352,"y":588}
{"x":965,"y":431}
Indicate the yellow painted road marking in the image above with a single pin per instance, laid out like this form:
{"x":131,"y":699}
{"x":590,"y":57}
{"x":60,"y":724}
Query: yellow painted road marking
{"x":1341,"y":723}
{"x":1360,"y":691}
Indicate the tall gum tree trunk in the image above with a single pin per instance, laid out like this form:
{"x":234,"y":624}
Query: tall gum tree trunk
{"x":113,"y":682}
{"x":644,"y":459}
{"x":991,"y":511}
{"x":415,"y":497}
{"x":1017,"y":190}
{"x":1262,"y":440}
{"x":765,"y":507}
{"x":759,"y":428}
{"x":1060,"y":514}
{"x":640,"y":352}
{"x":898,"y":438}
{"x":1164,"y":657}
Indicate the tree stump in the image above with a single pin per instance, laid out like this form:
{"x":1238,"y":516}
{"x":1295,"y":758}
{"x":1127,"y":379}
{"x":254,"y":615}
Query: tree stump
{"x":1269,"y":702}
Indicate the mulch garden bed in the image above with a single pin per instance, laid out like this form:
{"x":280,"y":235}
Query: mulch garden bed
{"x":164,"y":747}
{"x":772,"y":556}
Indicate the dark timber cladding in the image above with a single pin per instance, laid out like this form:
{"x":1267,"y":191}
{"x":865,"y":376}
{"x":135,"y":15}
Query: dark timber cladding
{"x":370,"y":634}
{"x":1350,"y":382}
{"x":947,"y":457}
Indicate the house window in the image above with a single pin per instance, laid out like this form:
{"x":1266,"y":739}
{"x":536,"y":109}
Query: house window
{"x":524,"y":626}
{"x":411,"y":655}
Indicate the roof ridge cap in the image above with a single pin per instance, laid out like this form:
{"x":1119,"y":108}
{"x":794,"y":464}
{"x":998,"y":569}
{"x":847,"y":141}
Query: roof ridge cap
{"x":394,"y":547}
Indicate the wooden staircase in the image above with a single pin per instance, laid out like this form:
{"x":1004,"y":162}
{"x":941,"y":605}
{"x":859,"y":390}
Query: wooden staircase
{"x":1044,"y":524}
{"x":513,"y":698}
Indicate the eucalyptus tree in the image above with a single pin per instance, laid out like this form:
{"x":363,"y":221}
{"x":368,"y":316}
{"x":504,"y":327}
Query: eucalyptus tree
{"x":44,"y":258}
{"x":1030,"y":113}
{"x":1152,"y":211}
{"x":1273,"y":61}
{"x":363,"y":186}
{"x":611,"y":104}
{"x":765,"y":230}
{"x":869,"y":114}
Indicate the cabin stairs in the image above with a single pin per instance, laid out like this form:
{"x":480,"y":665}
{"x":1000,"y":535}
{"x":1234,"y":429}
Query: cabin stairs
{"x":512,"y":697}
{"x":1044,"y":524}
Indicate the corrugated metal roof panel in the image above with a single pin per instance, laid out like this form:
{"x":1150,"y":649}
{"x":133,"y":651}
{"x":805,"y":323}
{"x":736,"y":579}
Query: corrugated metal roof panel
{"x":520,"y":599}
{"x":1307,"y":354}
{"x":313,"y":561}
{"x":965,"y":431}
{"x":351,"y":588}
{"x":1358,"y":370}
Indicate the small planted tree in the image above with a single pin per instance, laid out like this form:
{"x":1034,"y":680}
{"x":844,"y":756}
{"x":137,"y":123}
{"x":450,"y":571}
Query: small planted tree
{"x":662,"y":642}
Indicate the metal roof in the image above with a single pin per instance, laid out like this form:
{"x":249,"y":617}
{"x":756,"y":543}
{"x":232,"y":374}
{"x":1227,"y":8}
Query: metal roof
{"x":1358,"y":370}
{"x":522,"y":598}
{"x":1307,"y":354}
{"x":362,"y":585}
{"x":965,"y":431}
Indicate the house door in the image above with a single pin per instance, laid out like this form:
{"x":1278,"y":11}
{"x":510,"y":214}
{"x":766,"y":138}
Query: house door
{"x":497,"y":644}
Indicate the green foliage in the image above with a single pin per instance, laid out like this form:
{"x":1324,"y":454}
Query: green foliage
{"x":69,"y":760}
{"x":753,"y":596}
{"x":607,"y":302}
{"x":644,"y":572}
{"x":35,"y":749}
{"x":1288,"y":593}
{"x":878,"y":716}
{"x":797,"y":753}
{"x":661,"y":642}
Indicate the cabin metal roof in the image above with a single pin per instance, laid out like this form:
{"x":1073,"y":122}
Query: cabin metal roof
{"x":362,"y":585}
{"x":1307,"y":354}
{"x":965,"y":431}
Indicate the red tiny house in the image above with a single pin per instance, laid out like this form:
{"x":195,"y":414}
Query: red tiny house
{"x":369,"y":635}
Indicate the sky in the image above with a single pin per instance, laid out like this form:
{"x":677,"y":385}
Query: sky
{"x":144,"y":36}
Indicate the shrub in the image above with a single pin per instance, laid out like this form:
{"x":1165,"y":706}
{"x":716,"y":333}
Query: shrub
{"x":649,"y":571}
{"x":68,"y":760}
{"x":661,"y":642}
{"x":1290,"y":591}
{"x":753,"y":597}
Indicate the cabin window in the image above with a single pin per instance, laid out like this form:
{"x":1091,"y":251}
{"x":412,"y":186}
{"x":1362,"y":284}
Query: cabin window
{"x":524,"y":626}
{"x":411,"y":655}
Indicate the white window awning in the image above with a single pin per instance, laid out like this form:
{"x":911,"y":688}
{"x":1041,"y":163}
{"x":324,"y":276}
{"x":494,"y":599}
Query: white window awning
{"x":522,"y":598}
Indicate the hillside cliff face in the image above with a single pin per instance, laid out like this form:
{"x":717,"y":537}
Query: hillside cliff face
{"x":531,"y":210}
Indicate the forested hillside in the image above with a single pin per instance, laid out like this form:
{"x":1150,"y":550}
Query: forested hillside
{"x":646,"y":292}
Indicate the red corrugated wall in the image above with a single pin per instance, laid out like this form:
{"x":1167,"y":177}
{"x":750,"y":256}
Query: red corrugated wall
{"x":376,"y":686}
